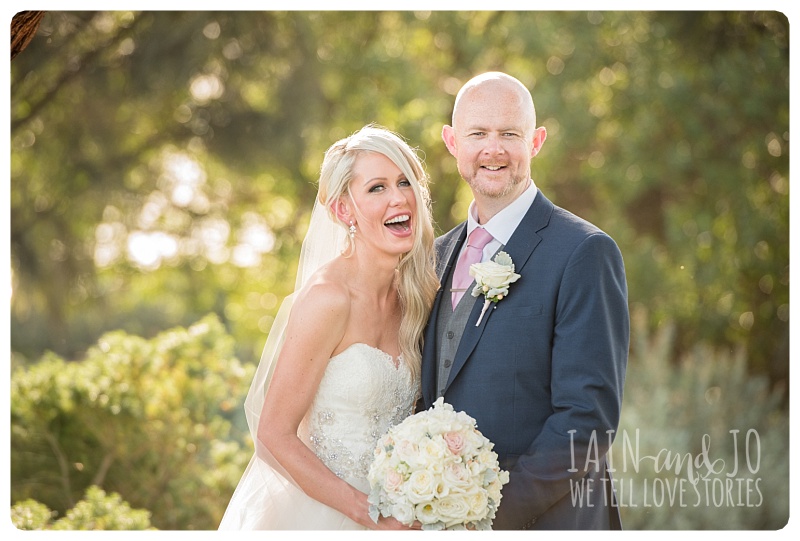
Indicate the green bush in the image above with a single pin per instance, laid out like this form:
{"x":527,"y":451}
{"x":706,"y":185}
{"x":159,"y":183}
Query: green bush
{"x":159,"y":422}
{"x":143,"y":418}
{"x":678,"y":407}
{"x":97,"y":511}
{"x":30,"y":515}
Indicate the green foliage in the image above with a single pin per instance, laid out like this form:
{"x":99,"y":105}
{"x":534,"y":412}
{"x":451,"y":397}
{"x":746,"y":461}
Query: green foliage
{"x":30,"y":515}
{"x":150,"y":419}
{"x":97,"y":511}
{"x":669,"y":410}
{"x":163,"y":163}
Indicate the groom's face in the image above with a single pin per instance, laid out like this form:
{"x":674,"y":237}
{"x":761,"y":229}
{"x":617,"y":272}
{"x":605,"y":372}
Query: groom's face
{"x":493,"y":141}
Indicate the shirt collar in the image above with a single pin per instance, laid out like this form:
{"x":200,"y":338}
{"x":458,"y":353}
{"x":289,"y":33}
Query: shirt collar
{"x":503,"y":224}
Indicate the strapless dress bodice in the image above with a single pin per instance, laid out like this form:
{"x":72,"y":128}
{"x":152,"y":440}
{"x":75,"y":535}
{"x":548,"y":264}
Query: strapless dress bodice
{"x":363,"y":393}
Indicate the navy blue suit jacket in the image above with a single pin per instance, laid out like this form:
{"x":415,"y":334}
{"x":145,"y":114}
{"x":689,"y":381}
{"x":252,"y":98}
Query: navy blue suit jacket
{"x":543,"y":373}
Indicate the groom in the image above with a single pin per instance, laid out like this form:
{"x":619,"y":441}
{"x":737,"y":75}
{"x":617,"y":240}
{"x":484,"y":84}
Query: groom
{"x":543,"y":371}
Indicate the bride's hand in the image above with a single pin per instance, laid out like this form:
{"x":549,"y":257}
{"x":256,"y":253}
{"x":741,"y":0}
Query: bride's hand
{"x":362,"y":516}
{"x":391,"y":523}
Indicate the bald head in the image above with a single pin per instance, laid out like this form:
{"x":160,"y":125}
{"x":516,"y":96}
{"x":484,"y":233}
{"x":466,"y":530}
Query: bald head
{"x":490,"y":87}
{"x":493,"y":139}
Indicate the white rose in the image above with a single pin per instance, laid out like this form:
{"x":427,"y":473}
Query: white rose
{"x":473,"y":443}
{"x":492,"y":275}
{"x":440,"y":422}
{"x":440,"y":404}
{"x":487,"y":458}
{"x":433,"y":450}
{"x":478,"y":502}
{"x":378,"y":464}
{"x":457,"y":476}
{"x":476,"y":469}
{"x":453,"y":509}
{"x":407,"y":451}
{"x":492,"y":278}
{"x":402,"y":511}
{"x":503,"y":476}
{"x":404,"y":433}
{"x":493,"y":491}
{"x":421,"y":487}
{"x":467,"y":421}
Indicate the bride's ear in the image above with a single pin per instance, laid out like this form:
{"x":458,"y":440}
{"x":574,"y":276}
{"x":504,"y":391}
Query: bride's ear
{"x":341,"y":209}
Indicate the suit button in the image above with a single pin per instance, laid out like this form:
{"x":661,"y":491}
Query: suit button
{"x":447,"y":363}
{"x":450,"y":334}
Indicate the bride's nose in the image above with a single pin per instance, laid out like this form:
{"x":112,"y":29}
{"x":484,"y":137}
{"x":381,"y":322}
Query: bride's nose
{"x":398,"y":198}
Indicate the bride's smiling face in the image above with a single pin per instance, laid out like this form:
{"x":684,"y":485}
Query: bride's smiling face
{"x":385,"y":204}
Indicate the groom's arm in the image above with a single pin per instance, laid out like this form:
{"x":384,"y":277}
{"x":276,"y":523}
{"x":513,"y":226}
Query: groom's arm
{"x":589,"y":358}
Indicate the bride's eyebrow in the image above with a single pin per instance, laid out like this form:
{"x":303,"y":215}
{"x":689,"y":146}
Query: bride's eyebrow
{"x":383,"y":179}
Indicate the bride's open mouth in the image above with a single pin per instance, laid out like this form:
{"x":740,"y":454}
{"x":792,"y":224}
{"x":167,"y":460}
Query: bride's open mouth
{"x":400,"y":225}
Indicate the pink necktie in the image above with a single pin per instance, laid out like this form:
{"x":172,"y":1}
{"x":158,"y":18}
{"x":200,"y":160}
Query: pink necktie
{"x":477,"y":240}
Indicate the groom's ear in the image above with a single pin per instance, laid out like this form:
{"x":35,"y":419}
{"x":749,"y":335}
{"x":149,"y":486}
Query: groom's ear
{"x":539,"y":135}
{"x":449,"y":138}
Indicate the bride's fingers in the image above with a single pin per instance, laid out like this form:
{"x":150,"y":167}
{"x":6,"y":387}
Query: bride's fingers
{"x":391,"y":523}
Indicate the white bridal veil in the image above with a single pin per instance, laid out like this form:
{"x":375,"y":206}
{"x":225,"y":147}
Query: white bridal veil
{"x":265,"y":488}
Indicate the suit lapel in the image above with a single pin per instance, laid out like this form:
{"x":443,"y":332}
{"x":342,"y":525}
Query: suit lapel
{"x":448,"y":251}
{"x":520,"y":247}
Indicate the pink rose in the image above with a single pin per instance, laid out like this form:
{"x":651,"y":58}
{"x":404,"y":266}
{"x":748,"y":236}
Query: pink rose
{"x":455,"y":442}
{"x":393,"y":481}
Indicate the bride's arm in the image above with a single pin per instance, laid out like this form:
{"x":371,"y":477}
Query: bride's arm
{"x":315,"y":328}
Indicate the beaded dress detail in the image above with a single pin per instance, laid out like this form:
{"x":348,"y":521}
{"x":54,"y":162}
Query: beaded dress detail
{"x":363,"y":393}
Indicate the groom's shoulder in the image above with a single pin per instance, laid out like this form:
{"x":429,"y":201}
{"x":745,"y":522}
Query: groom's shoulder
{"x":449,"y":237}
{"x":571,"y":223}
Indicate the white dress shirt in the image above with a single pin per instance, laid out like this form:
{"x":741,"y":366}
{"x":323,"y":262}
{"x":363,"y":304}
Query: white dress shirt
{"x":503,"y":224}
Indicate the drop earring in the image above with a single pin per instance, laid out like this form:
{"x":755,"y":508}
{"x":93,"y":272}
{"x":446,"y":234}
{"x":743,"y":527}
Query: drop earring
{"x":352,"y":231}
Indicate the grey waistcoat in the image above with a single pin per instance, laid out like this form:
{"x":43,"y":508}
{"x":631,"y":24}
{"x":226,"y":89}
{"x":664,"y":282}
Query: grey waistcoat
{"x":449,"y":329}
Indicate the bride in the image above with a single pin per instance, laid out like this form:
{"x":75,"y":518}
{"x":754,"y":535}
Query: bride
{"x":341,"y":364}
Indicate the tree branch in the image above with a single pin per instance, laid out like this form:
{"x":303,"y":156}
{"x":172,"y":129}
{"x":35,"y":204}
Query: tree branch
{"x":23,"y":27}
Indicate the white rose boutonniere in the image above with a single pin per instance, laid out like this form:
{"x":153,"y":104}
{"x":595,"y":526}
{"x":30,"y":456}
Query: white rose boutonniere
{"x":492,"y":279}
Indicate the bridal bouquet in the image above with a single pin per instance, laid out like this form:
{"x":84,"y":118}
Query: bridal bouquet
{"x":437,"y":468}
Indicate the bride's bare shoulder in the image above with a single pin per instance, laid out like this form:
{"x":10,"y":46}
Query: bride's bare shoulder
{"x":326,"y":291}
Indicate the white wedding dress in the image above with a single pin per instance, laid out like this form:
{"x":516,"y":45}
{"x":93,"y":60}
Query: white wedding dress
{"x":363,"y":393}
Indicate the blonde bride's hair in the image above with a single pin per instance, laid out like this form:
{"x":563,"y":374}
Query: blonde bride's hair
{"x":417,"y":278}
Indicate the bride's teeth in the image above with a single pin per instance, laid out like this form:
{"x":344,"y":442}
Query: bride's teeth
{"x":397,"y":219}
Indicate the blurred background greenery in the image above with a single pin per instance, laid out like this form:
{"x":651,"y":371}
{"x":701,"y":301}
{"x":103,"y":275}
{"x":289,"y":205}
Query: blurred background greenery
{"x":163,"y":166}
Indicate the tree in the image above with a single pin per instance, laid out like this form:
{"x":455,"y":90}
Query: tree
{"x":23,"y":27}
{"x":183,"y":183}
